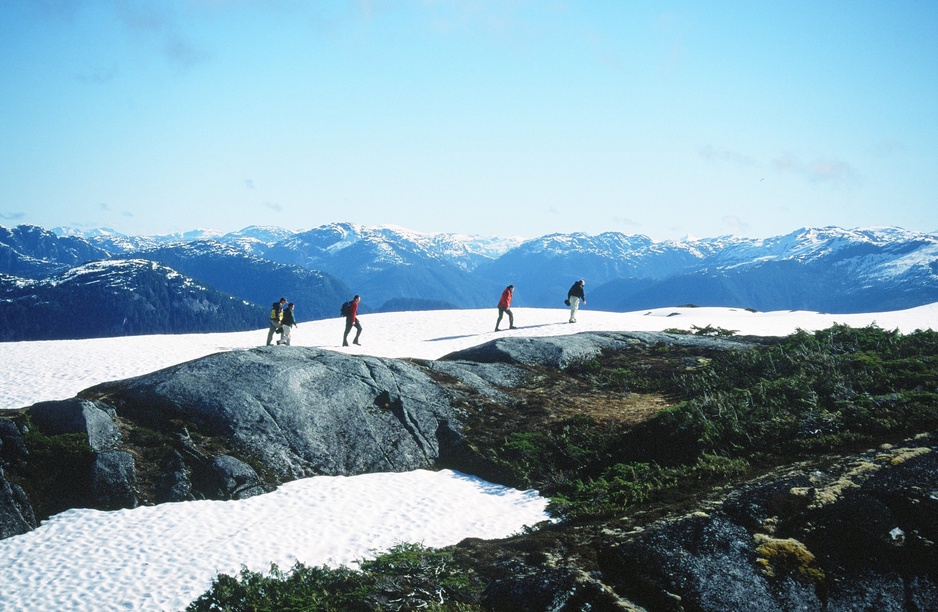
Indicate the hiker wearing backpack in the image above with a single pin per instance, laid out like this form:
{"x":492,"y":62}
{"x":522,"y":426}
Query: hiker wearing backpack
{"x":574,"y":297}
{"x":287,"y":323}
{"x":350,"y":310}
{"x":504,"y":306}
{"x":276,"y":314}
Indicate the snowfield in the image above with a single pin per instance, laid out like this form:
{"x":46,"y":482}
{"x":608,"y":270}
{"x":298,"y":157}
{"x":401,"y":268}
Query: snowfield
{"x":58,"y":369}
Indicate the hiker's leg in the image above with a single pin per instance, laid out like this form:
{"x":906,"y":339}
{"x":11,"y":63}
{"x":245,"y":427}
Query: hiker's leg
{"x":574,"y":304}
{"x":270,"y":334}
{"x":511,"y":317}
{"x":501,"y":311}
{"x":358,"y":326}
{"x":348,"y":328}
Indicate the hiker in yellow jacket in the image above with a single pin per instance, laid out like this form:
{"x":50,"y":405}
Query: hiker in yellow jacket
{"x":276,"y":315}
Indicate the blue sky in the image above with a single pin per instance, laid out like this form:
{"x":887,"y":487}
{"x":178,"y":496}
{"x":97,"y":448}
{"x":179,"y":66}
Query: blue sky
{"x":504,"y":117}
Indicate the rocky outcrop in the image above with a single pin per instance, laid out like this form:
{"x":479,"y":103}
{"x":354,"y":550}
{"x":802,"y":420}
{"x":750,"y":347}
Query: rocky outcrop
{"x":294,"y":413}
{"x":237,"y":424}
{"x":562,"y":351}
{"x":93,"y":419}
{"x":859,"y":534}
{"x":16,"y":513}
{"x":113,"y":479}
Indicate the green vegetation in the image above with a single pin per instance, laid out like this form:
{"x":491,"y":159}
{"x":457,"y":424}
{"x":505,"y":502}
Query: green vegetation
{"x":55,"y":471}
{"x":707,"y":330}
{"x":407,"y":577}
{"x":779,"y":558}
{"x":811,"y":393}
{"x":624,"y":485}
{"x":641,"y":427}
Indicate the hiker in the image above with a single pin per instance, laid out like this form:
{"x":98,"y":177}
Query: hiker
{"x":287,"y":323}
{"x":504,"y":306}
{"x":574,"y":297}
{"x":276,"y":313}
{"x":351,"y":320}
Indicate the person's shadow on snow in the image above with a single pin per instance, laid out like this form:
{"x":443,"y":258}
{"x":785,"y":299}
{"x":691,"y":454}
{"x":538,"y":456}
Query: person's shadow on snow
{"x":444,"y":338}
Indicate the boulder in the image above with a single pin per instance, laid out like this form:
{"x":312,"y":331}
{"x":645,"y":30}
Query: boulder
{"x":16,"y":514}
{"x":77,"y":416}
{"x":233,"y":479}
{"x":522,"y":588}
{"x":563,"y":351}
{"x":113,"y":479}
{"x":175,"y":481}
{"x":859,"y":535}
{"x":12,"y":445}
{"x":486,"y":379}
{"x":298,"y":412}
{"x":706,"y":562}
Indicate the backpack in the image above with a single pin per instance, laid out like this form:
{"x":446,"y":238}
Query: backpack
{"x":275,"y":311}
{"x":346,"y":309}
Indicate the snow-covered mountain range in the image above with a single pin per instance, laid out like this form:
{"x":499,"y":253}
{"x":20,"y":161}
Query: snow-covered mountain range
{"x":823,"y":269}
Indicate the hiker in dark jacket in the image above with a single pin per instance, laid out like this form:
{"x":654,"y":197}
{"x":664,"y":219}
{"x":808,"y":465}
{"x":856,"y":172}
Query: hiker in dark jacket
{"x":504,"y":306}
{"x":287,"y":323}
{"x":574,"y":297}
{"x":351,"y":320}
{"x":276,"y":312}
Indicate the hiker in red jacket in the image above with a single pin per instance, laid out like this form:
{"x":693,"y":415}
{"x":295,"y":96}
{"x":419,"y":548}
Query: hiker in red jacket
{"x":351,"y":320}
{"x":504,"y":306}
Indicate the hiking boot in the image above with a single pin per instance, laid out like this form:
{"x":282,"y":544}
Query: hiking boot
{"x":356,"y":342}
{"x":345,"y":344}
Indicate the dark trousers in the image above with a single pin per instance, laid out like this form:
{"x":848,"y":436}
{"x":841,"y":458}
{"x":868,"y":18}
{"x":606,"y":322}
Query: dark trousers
{"x":503,"y":311}
{"x":349,"y":324}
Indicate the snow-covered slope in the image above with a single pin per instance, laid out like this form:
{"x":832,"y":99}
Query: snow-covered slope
{"x":55,"y":373}
{"x":116,"y":297}
{"x":830,"y":268}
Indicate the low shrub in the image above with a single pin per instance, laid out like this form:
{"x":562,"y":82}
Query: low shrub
{"x":406,"y":577}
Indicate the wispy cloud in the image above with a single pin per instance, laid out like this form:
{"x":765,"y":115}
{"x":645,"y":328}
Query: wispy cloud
{"x":249,"y":184}
{"x":181,"y":52}
{"x":670,"y":28}
{"x":100,"y":76}
{"x":107,"y":208}
{"x":144,"y":16}
{"x":157,"y":20}
{"x":273,"y":206}
{"x":604,"y":50}
{"x":888,"y":148}
{"x":14,"y":216}
{"x":625,"y":221}
{"x":736,"y":225}
{"x":53,"y":9}
{"x":713,"y":154}
{"x":829,"y":170}
{"x":817,"y":170}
